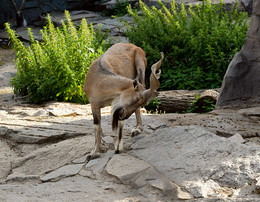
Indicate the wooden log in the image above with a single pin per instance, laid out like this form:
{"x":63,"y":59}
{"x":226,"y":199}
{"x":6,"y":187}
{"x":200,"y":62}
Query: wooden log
{"x":177,"y":100}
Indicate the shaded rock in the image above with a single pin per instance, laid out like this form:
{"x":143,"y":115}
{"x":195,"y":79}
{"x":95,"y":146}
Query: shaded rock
{"x":241,"y":84}
{"x":191,"y":154}
{"x":247,"y":6}
{"x":129,"y":169}
{"x":65,"y":171}
{"x":52,"y":157}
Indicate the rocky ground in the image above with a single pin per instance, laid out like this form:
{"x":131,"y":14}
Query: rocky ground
{"x":198,"y":157}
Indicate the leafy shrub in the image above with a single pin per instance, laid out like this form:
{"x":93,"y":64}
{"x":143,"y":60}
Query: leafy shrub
{"x":55,"y":69}
{"x":207,"y":105}
{"x":199,"y":42}
{"x":153,"y":105}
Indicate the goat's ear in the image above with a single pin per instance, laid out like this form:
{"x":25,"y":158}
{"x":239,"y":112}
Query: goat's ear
{"x":135,"y":83}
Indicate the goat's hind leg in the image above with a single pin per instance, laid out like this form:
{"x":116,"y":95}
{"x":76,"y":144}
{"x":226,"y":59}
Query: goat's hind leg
{"x":139,"y":124}
{"x":96,"y":152}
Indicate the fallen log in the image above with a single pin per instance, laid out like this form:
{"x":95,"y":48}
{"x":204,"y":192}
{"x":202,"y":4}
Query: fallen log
{"x":179,"y":100}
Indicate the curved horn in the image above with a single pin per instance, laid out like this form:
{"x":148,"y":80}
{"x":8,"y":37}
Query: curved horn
{"x":22,"y":5}
{"x":154,"y":82}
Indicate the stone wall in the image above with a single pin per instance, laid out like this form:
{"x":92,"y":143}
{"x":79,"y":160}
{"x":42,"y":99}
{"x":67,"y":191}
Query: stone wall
{"x":33,"y":8}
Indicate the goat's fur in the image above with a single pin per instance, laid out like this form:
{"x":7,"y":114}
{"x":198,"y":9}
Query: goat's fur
{"x":117,"y":78}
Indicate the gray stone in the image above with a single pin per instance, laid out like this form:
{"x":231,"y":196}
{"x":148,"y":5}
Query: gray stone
{"x":129,"y":169}
{"x":125,"y":167}
{"x":258,"y":184}
{"x":200,"y":161}
{"x":98,"y":167}
{"x":237,"y":138}
{"x":247,"y":5}
{"x":75,"y":188}
{"x":5,"y":169}
{"x":82,"y":159}
{"x":52,"y":157}
{"x":241,"y":84}
{"x":65,"y":171}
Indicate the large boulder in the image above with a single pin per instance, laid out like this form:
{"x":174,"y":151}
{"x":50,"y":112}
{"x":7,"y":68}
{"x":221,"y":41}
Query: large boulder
{"x":241,"y":84}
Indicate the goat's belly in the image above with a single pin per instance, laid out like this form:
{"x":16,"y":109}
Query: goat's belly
{"x":101,"y":102}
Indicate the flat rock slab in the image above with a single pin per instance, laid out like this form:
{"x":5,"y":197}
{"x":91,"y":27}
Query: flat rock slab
{"x":201,"y":162}
{"x":125,"y":166}
{"x":65,"y":171}
{"x":52,"y":157}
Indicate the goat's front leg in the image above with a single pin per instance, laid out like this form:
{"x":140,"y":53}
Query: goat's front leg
{"x":96,"y":152}
{"x":139,"y":124}
{"x":119,"y":143}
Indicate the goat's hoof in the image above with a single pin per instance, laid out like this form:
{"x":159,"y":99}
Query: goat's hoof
{"x":94,"y":156}
{"x":117,"y":152}
{"x":135,"y":132}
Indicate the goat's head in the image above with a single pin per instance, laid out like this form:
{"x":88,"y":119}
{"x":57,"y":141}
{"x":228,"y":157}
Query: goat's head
{"x":136,"y":96}
{"x":20,"y":20}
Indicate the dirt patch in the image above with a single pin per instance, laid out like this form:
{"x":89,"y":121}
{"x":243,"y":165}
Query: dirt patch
{"x":6,"y":56}
{"x":7,"y":71}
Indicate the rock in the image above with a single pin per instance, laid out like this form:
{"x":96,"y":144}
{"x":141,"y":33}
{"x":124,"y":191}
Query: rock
{"x":75,"y":188}
{"x":65,"y":171}
{"x":241,"y":84}
{"x":247,"y":5}
{"x":125,"y":167}
{"x":37,"y":131}
{"x":237,"y":138}
{"x":129,"y":169}
{"x":82,"y":159}
{"x":5,"y":169}
{"x":258,"y":184}
{"x":200,"y":161}
{"x":52,"y":157}
{"x":102,"y":162}
{"x":61,"y":112}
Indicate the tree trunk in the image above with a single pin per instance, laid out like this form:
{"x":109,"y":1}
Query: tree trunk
{"x":178,"y":100}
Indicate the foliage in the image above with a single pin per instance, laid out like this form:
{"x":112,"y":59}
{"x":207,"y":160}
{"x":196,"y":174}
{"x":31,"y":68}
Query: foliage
{"x":119,"y":10}
{"x":207,"y":106}
{"x":199,"y":42}
{"x":55,"y":69}
{"x":153,"y":105}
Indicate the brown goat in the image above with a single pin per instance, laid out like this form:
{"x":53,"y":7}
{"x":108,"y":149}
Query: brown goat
{"x":117,"y":78}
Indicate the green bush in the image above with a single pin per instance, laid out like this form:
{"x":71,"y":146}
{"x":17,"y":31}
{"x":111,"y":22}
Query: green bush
{"x":55,"y":69}
{"x":199,"y":42}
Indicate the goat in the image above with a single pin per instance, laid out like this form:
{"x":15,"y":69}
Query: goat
{"x":20,"y":20}
{"x":117,"y":78}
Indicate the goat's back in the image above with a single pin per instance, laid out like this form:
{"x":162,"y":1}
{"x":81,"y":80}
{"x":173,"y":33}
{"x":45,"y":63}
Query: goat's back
{"x":114,"y":70}
{"x":123,"y":59}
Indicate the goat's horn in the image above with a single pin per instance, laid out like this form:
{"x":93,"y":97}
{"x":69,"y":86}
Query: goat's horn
{"x":154,"y":82}
{"x":14,"y":4}
{"x":22,"y":5}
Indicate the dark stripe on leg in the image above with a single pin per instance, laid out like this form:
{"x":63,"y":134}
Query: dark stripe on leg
{"x":120,"y":135}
